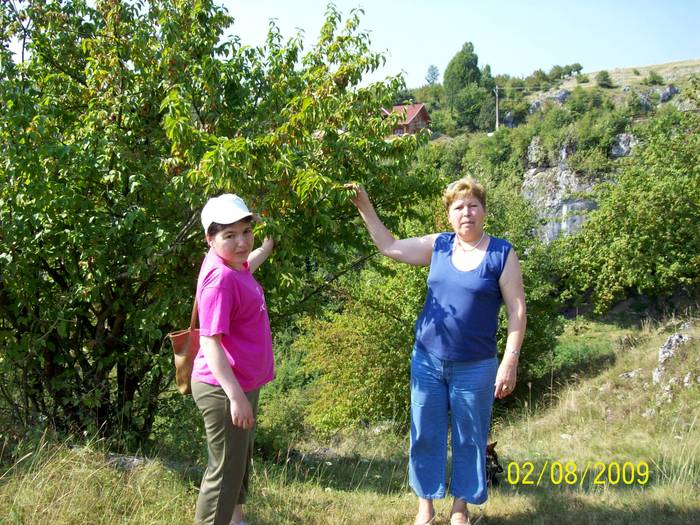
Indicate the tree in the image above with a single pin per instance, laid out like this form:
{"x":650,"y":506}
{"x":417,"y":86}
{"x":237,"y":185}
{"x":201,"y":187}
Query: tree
{"x":462,"y":70}
{"x":603,"y":79}
{"x":653,"y":79}
{"x":487,"y":81}
{"x":643,"y":237}
{"x":431,"y":77}
{"x":475,"y":108}
{"x":123,"y":119}
{"x":538,"y":80}
{"x":556,"y":73}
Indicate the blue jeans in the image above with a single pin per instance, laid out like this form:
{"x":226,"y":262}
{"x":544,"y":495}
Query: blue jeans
{"x":460,"y":393}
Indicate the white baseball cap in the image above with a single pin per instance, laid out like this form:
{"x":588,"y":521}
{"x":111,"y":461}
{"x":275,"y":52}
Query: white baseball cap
{"x":224,"y":209}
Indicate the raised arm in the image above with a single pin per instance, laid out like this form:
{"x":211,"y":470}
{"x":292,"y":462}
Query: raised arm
{"x":415,"y":250}
{"x":259,"y":255}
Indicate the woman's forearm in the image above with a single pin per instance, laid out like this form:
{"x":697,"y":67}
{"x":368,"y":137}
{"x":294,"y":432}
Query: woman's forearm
{"x":380,"y":234}
{"x":260,"y":255}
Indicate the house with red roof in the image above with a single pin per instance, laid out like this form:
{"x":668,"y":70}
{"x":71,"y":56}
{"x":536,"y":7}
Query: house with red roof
{"x":415,"y":118}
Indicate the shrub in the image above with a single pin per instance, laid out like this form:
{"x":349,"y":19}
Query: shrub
{"x":603,"y":79}
{"x":361,"y":356}
{"x":643,"y":238}
{"x":653,"y":79}
{"x":283,"y":402}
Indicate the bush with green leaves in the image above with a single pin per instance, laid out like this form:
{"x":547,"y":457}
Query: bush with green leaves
{"x":122,"y":120}
{"x":360,"y":356}
{"x":603,"y":79}
{"x":653,"y":79}
{"x":644,"y":236}
{"x":283,"y":403}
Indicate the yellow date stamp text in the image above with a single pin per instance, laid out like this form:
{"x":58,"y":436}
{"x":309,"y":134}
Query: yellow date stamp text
{"x":596,"y":473}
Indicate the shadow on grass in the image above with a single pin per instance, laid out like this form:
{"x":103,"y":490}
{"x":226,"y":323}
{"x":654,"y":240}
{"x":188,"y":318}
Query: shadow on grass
{"x":555,"y":508}
{"x":345,"y":473}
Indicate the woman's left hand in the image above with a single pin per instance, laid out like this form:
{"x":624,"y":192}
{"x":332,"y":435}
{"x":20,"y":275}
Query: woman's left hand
{"x":506,"y":378}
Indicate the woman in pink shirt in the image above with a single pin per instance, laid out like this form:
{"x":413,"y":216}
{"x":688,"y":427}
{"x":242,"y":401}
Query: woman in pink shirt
{"x":235,"y":357}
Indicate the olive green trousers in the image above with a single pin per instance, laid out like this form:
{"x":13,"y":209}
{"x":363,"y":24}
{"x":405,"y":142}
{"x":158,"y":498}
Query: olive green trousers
{"x":225,"y":481}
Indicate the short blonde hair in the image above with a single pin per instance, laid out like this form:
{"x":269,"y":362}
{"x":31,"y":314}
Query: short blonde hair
{"x":464,"y":187}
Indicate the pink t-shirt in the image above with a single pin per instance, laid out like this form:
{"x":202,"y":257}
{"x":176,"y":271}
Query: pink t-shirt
{"x":232,"y":303}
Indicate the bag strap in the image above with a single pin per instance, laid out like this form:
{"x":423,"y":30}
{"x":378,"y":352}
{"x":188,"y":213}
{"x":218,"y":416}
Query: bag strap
{"x":193,"y":317}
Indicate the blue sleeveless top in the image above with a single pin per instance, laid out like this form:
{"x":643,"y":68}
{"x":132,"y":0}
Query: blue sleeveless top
{"x":460,"y":315}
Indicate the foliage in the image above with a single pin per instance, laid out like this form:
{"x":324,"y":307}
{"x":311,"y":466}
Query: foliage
{"x":431,"y":77}
{"x":537,"y":81}
{"x":603,"y":79}
{"x":643,"y":238}
{"x":462,"y":70}
{"x":443,"y":121}
{"x":284,"y":402}
{"x":584,"y":100}
{"x":360,"y":356}
{"x":475,"y":108}
{"x":582,"y":79}
{"x":123,"y":119}
{"x":653,"y":79}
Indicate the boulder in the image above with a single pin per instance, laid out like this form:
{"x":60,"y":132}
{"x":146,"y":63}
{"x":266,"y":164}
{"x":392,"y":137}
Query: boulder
{"x":645,"y":103}
{"x":684,"y":104}
{"x":567,"y":149}
{"x":509,"y":120}
{"x":622,"y":145}
{"x":667,"y":94}
{"x":536,"y":156}
{"x":535,"y":106}
{"x":560,"y":96}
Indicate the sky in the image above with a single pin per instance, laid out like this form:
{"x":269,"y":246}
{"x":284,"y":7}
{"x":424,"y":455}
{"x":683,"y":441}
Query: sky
{"x":513,"y":37}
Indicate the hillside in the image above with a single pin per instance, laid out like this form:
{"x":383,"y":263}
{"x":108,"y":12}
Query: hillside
{"x":670,"y":71}
{"x":616,"y":416}
{"x":624,"y":79}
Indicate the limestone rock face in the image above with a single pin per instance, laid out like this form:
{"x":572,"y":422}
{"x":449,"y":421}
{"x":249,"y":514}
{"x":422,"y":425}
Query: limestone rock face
{"x":559,"y":196}
{"x":667,"y":94}
{"x":509,"y":119}
{"x":561,"y":96}
{"x":536,"y":156}
{"x":623,"y":145}
{"x":645,"y":103}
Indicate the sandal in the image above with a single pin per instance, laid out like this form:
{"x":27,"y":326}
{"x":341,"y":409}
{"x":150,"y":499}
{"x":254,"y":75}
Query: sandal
{"x":465,"y":514}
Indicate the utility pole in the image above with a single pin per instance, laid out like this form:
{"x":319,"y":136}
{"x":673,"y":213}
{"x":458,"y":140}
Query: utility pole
{"x":495,"y":90}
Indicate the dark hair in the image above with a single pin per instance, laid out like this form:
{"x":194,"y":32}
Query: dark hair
{"x":215,"y":227}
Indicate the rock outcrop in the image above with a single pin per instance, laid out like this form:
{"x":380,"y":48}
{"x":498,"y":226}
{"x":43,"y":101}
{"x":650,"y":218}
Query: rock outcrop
{"x":623,"y":145}
{"x":559,"y":196}
{"x":667,"y":94}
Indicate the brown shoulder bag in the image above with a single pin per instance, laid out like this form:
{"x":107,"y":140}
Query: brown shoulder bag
{"x":185,"y":348}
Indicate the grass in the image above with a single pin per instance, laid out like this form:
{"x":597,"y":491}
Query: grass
{"x":671,"y":72}
{"x":599,"y":415}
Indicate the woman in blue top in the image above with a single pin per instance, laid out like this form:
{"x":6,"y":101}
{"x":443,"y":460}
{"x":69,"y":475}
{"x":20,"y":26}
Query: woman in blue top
{"x":455,"y":373}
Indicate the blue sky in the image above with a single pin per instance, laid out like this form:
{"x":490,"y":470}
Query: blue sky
{"x":513,"y":37}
